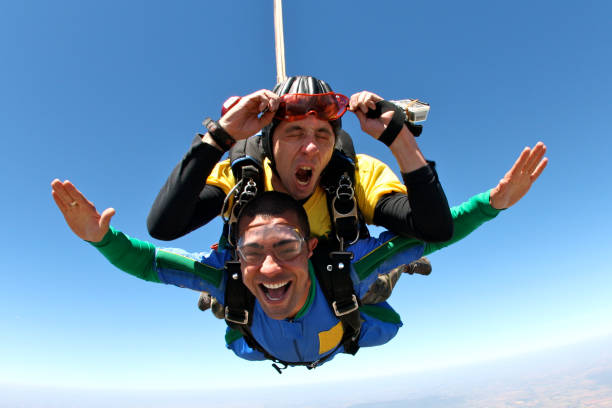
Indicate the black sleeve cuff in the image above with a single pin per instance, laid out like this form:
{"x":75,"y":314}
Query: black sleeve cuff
{"x":424,"y":175}
{"x":198,"y":147}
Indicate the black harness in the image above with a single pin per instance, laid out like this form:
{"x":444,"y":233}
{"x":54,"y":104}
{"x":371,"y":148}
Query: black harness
{"x":332,"y":270}
{"x":330,"y":260}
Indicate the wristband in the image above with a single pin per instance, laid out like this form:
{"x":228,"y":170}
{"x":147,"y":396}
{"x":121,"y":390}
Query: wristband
{"x":395,"y":125}
{"x":219,"y":135}
{"x":416,"y":130}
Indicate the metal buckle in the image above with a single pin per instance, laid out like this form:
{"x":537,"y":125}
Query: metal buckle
{"x":249,"y":192}
{"x":242,"y":196}
{"x":346,"y":194}
{"x":245,"y":320}
{"x":345,"y":189}
{"x":338,"y":216}
{"x":314,"y":364}
{"x":351,"y":309}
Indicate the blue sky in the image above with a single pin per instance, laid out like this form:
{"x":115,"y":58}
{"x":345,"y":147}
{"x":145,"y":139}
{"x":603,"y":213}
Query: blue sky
{"x":109,"y":95}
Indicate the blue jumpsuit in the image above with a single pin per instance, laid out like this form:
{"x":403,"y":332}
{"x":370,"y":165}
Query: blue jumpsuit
{"x":315,"y":332}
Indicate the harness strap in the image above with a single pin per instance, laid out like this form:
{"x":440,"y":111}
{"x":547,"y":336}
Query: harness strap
{"x":344,"y":213}
{"x":239,"y":301}
{"x":346,"y":219}
{"x":332,"y":267}
{"x":249,"y":149}
{"x":332,"y":270}
{"x":245,"y":192}
{"x":244,"y":327}
{"x":239,"y":305}
{"x":246,"y":161}
{"x":333,"y":273}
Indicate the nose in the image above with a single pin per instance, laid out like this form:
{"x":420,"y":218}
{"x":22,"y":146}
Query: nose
{"x":269,"y":266}
{"x":309,"y":145}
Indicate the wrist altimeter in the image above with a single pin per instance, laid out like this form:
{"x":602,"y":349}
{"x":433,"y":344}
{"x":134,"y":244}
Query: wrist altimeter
{"x":219,"y":135}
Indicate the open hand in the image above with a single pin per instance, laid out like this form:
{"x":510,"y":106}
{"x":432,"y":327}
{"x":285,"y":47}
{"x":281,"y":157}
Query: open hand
{"x":518,"y":180}
{"x":250,"y":114}
{"x":363,"y":101}
{"x":80,"y":214}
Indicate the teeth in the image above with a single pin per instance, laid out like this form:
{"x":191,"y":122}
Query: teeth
{"x":275,"y":285}
{"x":304,"y":172}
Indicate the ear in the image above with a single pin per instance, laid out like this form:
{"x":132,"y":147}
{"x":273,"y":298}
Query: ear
{"x":312,"y":244}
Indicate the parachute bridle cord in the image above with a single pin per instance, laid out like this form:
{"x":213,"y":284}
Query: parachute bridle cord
{"x":279,"y":41}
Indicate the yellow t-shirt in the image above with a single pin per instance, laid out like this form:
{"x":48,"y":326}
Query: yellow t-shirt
{"x":373,"y":179}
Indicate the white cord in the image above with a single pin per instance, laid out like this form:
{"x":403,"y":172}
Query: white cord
{"x":279,"y":41}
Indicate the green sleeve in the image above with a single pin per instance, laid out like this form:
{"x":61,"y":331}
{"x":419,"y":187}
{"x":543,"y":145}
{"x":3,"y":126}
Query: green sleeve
{"x":129,"y":254}
{"x":466,"y":218}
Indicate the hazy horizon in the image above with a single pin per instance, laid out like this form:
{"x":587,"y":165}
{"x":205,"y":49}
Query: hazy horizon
{"x":565,"y":376}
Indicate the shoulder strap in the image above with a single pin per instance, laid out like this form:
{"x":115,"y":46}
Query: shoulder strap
{"x":344,"y":144}
{"x":338,"y":179}
{"x":246,"y":161}
{"x":239,"y":301}
{"x":332,"y":269}
{"x":245,"y":152}
{"x":239,"y":305}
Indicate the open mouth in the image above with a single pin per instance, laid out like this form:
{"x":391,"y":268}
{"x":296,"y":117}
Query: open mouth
{"x":275,"y":291}
{"x":303,"y":175}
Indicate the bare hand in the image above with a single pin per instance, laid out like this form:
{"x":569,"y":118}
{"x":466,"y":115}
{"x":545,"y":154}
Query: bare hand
{"x":518,"y":180}
{"x":80,"y":214}
{"x":363,"y":101}
{"x":250,"y":114}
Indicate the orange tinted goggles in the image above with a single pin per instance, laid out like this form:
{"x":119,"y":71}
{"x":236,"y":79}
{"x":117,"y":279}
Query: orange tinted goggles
{"x":326,"y":106}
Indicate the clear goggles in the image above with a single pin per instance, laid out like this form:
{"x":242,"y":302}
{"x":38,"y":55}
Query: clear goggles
{"x":326,"y":106}
{"x":282,"y":241}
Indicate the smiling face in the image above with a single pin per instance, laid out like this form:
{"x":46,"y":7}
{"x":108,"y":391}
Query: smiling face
{"x":274,"y":263}
{"x":301,"y":149}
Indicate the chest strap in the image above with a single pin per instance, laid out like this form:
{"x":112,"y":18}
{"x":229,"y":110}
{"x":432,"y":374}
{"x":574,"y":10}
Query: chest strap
{"x":332,"y":269}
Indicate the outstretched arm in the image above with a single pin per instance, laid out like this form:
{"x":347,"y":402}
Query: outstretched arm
{"x":510,"y":189}
{"x":518,"y":180}
{"x":138,"y":258}
{"x":80,"y":213}
{"x":132,"y":256}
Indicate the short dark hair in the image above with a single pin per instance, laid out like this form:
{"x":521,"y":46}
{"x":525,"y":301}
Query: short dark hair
{"x":274,"y":203}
